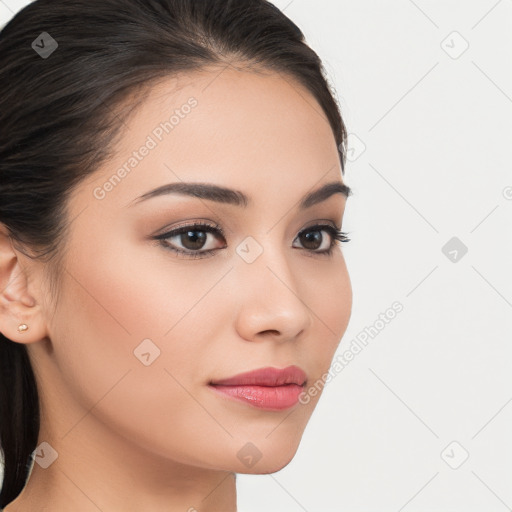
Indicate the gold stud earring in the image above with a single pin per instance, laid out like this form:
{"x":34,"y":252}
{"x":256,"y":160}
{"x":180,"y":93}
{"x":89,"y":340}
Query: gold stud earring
{"x":22,"y":327}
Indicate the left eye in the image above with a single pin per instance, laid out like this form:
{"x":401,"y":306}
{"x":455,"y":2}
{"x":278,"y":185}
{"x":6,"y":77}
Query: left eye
{"x":312,"y":237}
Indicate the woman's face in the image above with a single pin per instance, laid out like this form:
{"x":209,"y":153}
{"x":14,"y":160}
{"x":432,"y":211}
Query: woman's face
{"x":140,"y":330}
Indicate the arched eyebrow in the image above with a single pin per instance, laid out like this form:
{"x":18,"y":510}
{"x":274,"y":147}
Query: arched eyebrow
{"x":219,"y":194}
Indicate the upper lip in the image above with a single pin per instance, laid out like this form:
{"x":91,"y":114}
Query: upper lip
{"x":268,"y":376}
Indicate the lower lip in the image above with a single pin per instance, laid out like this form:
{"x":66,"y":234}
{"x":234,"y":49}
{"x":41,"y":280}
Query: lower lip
{"x":272,"y":398}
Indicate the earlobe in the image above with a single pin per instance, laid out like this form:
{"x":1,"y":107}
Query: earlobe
{"x":20,"y":315}
{"x":22,"y":331}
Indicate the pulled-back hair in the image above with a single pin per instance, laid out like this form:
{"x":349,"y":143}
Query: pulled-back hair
{"x":60,"y":114}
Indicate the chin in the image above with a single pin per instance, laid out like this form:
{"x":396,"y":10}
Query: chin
{"x":269,"y":467}
{"x":271,"y":461}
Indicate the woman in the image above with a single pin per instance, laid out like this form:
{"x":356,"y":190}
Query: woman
{"x":172,"y":284}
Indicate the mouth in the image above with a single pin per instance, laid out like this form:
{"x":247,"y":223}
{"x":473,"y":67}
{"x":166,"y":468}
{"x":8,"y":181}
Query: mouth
{"x":267,"y":388}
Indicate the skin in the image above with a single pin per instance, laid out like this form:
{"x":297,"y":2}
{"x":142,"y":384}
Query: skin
{"x":131,"y":437}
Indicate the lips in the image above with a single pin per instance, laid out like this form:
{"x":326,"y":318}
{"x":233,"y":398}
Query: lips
{"x":271,"y":389}
{"x":266,"y":377}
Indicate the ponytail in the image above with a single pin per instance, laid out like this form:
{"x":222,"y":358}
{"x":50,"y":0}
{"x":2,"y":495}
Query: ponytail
{"x":19,"y":417}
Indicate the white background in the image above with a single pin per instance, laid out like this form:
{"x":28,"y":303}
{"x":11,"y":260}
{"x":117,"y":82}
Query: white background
{"x":431,"y":150}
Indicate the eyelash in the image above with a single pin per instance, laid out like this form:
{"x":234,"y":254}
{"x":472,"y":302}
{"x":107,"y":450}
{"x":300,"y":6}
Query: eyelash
{"x":336,"y":234}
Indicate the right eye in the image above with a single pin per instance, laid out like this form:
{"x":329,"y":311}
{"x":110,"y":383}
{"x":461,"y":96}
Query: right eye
{"x":192,"y":238}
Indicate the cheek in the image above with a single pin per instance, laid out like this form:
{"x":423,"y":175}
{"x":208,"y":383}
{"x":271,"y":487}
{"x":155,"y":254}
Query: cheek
{"x":109,"y":305}
{"x":330,"y":303}
{"x":116,"y":300}
{"x":340,"y":296}
{"x":331,"y":300}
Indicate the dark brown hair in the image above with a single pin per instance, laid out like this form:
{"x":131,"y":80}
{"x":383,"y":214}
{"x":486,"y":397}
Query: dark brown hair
{"x":61,"y":112}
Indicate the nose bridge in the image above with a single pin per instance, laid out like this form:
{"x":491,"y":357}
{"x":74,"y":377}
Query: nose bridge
{"x":269,"y":296}
{"x":264,"y":262}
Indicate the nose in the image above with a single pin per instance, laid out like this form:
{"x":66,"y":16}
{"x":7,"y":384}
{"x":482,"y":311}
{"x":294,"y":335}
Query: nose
{"x":268,"y":299}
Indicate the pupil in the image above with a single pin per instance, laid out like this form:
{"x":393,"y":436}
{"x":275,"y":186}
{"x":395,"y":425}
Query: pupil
{"x":312,"y":236}
{"x":197,"y":240}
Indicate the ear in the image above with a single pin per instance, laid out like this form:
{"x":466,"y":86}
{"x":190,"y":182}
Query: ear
{"x":17,"y":305}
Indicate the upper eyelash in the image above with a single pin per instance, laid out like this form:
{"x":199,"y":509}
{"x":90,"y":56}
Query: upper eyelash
{"x":336,"y":234}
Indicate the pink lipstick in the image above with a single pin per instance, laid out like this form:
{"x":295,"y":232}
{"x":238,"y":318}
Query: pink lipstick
{"x":268,"y":388}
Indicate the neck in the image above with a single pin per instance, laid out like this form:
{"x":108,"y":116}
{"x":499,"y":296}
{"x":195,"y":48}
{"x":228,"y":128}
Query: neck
{"x":97,"y":470}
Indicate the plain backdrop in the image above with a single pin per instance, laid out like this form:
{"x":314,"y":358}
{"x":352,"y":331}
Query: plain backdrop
{"x":421,"y":418}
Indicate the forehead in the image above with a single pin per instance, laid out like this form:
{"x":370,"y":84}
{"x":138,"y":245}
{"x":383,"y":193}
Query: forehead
{"x":227,"y":126}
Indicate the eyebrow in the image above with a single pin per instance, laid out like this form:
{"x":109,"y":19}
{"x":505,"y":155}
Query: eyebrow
{"x":230,"y":196}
